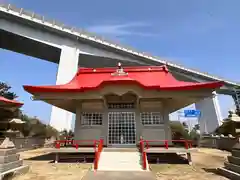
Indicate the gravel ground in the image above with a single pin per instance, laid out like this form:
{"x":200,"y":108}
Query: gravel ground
{"x":44,"y":170}
{"x":205,"y":162}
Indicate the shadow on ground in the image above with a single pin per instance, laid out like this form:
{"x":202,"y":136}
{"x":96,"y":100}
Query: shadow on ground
{"x":213,"y":171}
{"x":44,"y":157}
{"x":168,"y":158}
{"x":64,"y":158}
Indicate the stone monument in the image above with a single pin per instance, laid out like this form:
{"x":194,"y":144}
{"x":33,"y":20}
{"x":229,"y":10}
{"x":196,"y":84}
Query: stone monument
{"x":10,"y":161}
{"x":231,"y":168}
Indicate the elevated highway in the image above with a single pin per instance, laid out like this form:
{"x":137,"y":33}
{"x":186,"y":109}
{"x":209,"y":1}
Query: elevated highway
{"x":35,"y":35}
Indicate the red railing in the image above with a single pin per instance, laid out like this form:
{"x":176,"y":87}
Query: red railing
{"x":75,"y":143}
{"x":145,"y":144}
{"x":98,"y":153}
{"x":97,"y":144}
{"x":187,"y":143}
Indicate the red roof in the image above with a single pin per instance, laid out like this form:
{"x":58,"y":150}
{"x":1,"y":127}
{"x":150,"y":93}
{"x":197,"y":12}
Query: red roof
{"x":9,"y":102}
{"x":148,"y":77}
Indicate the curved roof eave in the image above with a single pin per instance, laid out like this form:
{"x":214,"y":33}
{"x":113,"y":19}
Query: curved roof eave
{"x":8,"y":101}
{"x":65,"y":88}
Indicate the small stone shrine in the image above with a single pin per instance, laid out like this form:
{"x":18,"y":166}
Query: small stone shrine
{"x":231,"y":168}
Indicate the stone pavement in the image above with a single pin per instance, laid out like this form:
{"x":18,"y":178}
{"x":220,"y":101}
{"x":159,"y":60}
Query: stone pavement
{"x":119,"y":175}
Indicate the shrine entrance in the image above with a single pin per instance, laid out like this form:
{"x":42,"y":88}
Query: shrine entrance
{"x":121,"y":120}
{"x":121,"y":128}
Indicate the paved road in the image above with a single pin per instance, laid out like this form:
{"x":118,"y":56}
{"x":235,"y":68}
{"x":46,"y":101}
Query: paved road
{"x":119,"y":175}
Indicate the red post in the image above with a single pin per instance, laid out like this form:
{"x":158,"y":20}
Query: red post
{"x":147,"y":145}
{"x":101,"y":141}
{"x":76,"y":145}
{"x":186,"y":144}
{"x":144,"y":160}
{"x":190,"y":144}
{"x":98,"y":153}
{"x":166,"y":144}
{"x":144,"y":156}
{"x":57,"y":144}
{"x":140,"y":146}
{"x":96,"y":160}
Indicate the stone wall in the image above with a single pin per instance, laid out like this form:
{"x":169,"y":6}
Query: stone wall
{"x":218,"y":142}
{"x":27,"y":143}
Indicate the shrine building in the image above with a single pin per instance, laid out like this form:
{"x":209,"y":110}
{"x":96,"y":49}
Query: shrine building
{"x":123,"y":104}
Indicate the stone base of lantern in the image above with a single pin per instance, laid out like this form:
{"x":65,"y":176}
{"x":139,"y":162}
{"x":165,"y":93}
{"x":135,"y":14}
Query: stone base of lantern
{"x":231,"y":169}
{"x":10,"y":162}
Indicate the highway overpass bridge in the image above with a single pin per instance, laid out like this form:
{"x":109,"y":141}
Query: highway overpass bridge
{"x":34,"y":35}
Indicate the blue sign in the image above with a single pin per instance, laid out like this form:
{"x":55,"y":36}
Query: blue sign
{"x":192,"y":113}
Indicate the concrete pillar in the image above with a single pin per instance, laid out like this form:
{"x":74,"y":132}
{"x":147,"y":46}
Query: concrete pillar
{"x":67,"y":68}
{"x":168,"y":133}
{"x":211,"y":117}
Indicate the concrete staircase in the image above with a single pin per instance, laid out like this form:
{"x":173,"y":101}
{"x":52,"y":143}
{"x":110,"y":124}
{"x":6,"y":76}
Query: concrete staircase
{"x":122,"y":160}
{"x":232,"y":167}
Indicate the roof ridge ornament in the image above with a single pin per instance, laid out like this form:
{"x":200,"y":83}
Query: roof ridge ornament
{"x":165,"y":68}
{"x":119,"y":71}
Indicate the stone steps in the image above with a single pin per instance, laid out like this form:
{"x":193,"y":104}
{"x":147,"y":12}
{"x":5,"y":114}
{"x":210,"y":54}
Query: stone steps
{"x":120,"y":150}
{"x":235,"y":153}
{"x":232,"y":167}
{"x":120,"y":161}
{"x":229,"y":174}
{"x":10,"y":165}
{"x":119,"y":175}
{"x":234,"y":160}
{"x":9,"y":158}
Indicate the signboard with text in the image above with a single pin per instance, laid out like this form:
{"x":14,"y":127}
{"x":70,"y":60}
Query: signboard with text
{"x":192,"y":113}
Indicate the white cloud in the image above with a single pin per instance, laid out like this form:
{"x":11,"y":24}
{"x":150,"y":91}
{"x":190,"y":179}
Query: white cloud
{"x":125,"y":29}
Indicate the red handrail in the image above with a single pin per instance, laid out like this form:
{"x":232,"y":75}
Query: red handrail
{"x":75,"y":143}
{"x":166,"y":144}
{"x":144,"y":155}
{"x":98,"y":153}
{"x":187,"y":143}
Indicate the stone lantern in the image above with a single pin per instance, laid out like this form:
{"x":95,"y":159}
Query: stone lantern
{"x":236,"y":119}
{"x":10,"y":161}
{"x":232,"y":167}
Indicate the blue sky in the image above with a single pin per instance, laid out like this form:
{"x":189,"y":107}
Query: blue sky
{"x":199,"y":34}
